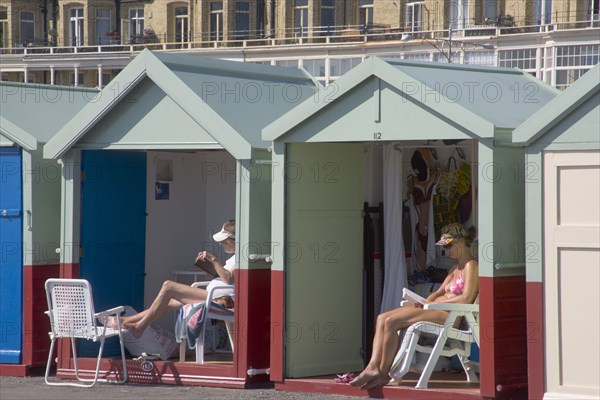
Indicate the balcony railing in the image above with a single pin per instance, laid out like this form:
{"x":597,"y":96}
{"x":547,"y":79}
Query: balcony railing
{"x":501,"y":26}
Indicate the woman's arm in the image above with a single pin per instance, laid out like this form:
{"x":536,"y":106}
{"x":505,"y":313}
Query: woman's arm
{"x":224,"y":274}
{"x":471,"y":288}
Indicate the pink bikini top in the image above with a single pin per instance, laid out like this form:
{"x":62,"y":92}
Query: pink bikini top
{"x":456,"y":286}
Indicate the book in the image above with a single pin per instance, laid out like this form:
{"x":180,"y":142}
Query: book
{"x":412,"y":297}
{"x":207,"y":267}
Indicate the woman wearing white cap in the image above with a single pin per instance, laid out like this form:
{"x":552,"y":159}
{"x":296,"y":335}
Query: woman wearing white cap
{"x":173,"y":295}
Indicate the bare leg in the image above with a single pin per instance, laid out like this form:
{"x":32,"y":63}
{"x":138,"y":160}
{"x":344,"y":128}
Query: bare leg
{"x":385,"y":343}
{"x":371,"y":371}
{"x":171,"y":296}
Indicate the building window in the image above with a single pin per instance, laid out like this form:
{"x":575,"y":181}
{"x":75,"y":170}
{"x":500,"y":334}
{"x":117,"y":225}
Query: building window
{"x":577,"y":55}
{"x":490,"y":11}
{"x":72,"y":81}
{"x":216,"y":20}
{"x":287,"y":63}
{"x":328,"y":16}
{"x":106,"y":78}
{"x":542,"y":12}
{"x":315,"y":67}
{"x":242,"y":20}
{"x":3,"y":27}
{"x":365,"y":13}
{"x":301,"y":18}
{"x":564,"y":78}
{"x":136,"y":22}
{"x":480,"y":58}
{"x":182,"y":25}
{"x":574,"y":61}
{"x":103,"y":26}
{"x":414,"y":16}
{"x":446,"y":57}
{"x":524,"y":59}
{"x":458,"y":14}
{"x":27,"y":28}
{"x":76,"y":26}
{"x":339,"y":66}
{"x":594,"y":13}
{"x":417,"y":56}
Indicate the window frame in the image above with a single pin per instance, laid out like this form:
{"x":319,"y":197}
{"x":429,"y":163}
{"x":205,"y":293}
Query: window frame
{"x":215,"y":35}
{"x":301,"y":23}
{"x":136,"y":22}
{"x":328,"y":29}
{"x":366,"y":13}
{"x":241,"y":34}
{"x":22,"y":39}
{"x":76,"y":26}
{"x":183,"y":35}
{"x":410,"y":22}
{"x":101,"y":37}
{"x":4,"y":32}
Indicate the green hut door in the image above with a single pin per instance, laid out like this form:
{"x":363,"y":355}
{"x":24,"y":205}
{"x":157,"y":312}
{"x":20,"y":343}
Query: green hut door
{"x":323,"y":270}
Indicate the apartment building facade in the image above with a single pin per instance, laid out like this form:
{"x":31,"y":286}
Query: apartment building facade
{"x":87,"y":42}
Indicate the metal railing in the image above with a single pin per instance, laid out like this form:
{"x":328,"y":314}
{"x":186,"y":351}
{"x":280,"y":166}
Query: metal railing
{"x":501,"y":26}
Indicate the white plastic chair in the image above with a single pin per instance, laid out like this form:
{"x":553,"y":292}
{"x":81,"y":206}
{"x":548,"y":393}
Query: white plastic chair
{"x":450,"y":341}
{"x":72,"y":315}
{"x":227,"y":317}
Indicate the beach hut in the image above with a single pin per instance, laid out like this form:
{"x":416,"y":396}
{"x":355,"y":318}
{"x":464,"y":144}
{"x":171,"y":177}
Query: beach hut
{"x":29,"y":215}
{"x":334,"y":153}
{"x":563,"y":232}
{"x":171,"y":149}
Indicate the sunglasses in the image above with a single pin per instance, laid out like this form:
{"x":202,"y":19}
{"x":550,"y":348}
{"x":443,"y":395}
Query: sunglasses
{"x":447,"y":246}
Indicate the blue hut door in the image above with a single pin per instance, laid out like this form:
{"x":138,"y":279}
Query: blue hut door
{"x":113,"y":230}
{"x":323,"y":268}
{"x":11,"y":255}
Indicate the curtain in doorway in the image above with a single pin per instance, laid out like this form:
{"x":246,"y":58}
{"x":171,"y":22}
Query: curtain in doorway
{"x":395,"y":262}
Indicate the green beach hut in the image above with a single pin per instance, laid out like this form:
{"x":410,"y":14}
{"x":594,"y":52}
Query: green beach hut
{"x":327,"y":158}
{"x":170,"y":150}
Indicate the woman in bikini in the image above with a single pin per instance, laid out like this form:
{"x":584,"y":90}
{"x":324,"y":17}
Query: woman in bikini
{"x":460,"y":286}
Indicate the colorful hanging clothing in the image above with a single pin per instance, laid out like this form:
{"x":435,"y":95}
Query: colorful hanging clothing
{"x":452,"y":201}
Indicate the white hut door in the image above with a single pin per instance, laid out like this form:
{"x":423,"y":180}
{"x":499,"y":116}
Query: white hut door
{"x":572,"y":273}
{"x":324,"y":195}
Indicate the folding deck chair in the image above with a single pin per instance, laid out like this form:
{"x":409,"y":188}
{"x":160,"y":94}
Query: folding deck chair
{"x":449,"y":341}
{"x":72,"y":315}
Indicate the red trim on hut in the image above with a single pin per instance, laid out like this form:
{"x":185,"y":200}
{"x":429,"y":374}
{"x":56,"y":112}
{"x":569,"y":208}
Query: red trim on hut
{"x":503,"y":330}
{"x":277,"y":325}
{"x":535,"y":339}
{"x":36,"y":324}
{"x":253,"y":301}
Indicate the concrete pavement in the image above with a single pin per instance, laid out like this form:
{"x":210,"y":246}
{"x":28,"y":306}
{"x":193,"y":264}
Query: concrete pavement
{"x":33,"y":388}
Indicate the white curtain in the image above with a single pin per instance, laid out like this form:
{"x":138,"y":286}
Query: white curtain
{"x":395,"y":262}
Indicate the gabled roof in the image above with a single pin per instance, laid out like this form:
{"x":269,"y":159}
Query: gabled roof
{"x":32,"y":113}
{"x":477,"y":99}
{"x":560,"y":108}
{"x":228,"y":101}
